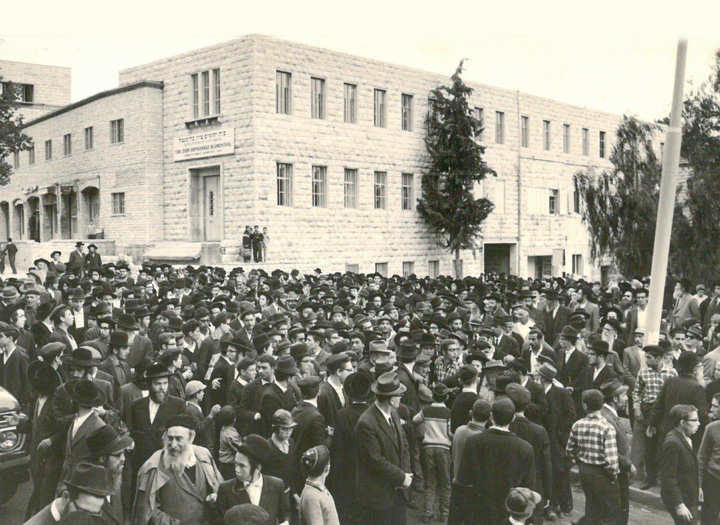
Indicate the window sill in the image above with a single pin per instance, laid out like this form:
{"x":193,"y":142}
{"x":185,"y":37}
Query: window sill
{"x":117,"y":215}
{"x":202,"y":122}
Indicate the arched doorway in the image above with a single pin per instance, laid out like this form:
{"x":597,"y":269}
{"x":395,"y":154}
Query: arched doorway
{"x":19,"y":220}
{"x":91,"y":203}
{"x":34,"y":219}
{"x":4,"y":220}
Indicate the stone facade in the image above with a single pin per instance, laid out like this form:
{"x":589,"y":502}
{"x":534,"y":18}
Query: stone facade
{"x":210,"y":198}
{"x":50,"y":86}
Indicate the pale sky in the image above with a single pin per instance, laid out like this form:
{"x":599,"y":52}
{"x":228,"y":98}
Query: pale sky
{"x":616,"y":56}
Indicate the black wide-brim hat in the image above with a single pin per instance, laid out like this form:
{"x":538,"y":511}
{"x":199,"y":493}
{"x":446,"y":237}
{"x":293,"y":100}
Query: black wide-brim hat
{"x":43,"y":378}
{"x":81,"y":357}
{"x":84,"y":392}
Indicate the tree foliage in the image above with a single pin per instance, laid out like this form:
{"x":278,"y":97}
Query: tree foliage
{"x":621,"y":203}
{"x":12,"y":139}
{"x":696,"y":251}
{"x":455,"y":165}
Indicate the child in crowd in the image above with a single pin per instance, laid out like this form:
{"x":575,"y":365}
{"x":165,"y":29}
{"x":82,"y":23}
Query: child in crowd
{"x":230,"y":440}
{"x":317,"y":506}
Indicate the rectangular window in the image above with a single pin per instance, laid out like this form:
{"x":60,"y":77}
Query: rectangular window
{"x":601,"y":147}
{"x":284,"y":184}
{"x":195,"y":95}
{"x":319,"y":186}
{"x":525,"y":132}
{"x":350,"y":188}
{"x":350,"y":103}
{"x":216,"y":91}
{"x":566,"y":138}
{"x":407,"y":112}
{"x":352,"y":268}
{"x":283,"y":92}
{"x":553,"y":203}
{"x":408,"y":192}
{"x":89,"y":138}
{"x":380,"y":108}
{"x":206,"y":93}
{"x":433,"y":269}
{"x":117,"y":131}
{"x":317,"y":98}
{"x":381,"y":268}
{"x":118,"y":203}
{"x":546,"y":135}
{"x":23,"y":92}
{"x":67,"y":144}
{"x":31,"y":155}
{"x":408,"y":268}
{"x":16,"y":160}
{"x":576,"y":201}
{"x":48,"y":150}
{"x":380,"y":181}
{"x":586,"y":141}
{"x":577,"y":264}
{"x":479,"y":114}
{"x":499,"y":127}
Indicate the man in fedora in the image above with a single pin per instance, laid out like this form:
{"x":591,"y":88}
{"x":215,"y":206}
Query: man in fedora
{"x":116,"y":363}
{"x":82,"y":363}
{"x":13,"y":364}
{"x":87,"y":397}
{"x":406,"y":355}
{"x":252,"y":486}
{"x":558,"y":423}
{"x":107,"y":449}
{"x":85,"y":491}
{"x":77,"y":259}
{"x":148,"y":416}
{"x":92,"y":258}
{"x":140,"y":346}
{"x":556,"y":317}
{"x":279,"y":394}
{"x":382,"y":456}
{"x":616,"y":401}
{"x":179,"y":482}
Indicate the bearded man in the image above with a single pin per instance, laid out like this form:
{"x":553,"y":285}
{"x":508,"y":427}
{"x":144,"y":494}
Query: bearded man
{"x":179,"y":482}
{"x":107,"y":449}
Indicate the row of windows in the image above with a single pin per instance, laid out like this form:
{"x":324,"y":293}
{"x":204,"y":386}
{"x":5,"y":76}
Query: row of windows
{"x":408,"y":268}
{"x":547,"y":137}
{"x":117,"y":136}
{"x":319,"y":188}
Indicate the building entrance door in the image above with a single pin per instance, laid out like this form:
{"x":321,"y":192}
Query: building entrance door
{"x":211,"y":204}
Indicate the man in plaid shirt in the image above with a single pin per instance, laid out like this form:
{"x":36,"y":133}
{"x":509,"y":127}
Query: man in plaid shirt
{"x":647,"y":388}
{"x":447,"y":364}
{"x":593,"y":446}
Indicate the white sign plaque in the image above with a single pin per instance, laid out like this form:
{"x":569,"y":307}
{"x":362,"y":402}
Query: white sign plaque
{"x":207,"y":144}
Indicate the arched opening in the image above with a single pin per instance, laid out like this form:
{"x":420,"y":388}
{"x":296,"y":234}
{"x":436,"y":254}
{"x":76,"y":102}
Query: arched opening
{"x":4,"y":220}
{"x":19,"y":220}
{"x":34,"y":219}
{"x":91,"y":204}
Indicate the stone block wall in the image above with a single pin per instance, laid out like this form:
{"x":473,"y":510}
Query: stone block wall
{"x":51,"y":85}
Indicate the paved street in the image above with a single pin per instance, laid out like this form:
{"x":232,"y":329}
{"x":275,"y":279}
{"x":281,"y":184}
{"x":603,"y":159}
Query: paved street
{"x":14,"y":512}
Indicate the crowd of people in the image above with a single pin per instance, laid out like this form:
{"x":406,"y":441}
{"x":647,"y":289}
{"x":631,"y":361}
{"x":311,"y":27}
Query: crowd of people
{"x":198,"y":396}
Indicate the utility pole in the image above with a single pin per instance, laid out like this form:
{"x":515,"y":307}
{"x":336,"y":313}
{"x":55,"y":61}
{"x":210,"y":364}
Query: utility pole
{"x":666,"y":205}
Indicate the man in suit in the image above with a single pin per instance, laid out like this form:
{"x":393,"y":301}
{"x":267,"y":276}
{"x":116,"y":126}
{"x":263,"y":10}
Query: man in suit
{"x":107,"y":448}
{"x":582,"y":302}
{"x":382,"y":456}
{"x":556,"y":317}
{"x":558,"y":423}
{"x":616,"y":400}
{"x":492,"y":463}
{"x":252,"y":486}
{"x":332,"y":396}
{"x":13,"y":365}
{"x":598,"y":370}
{"x":116,"y":363}
{"x":63,"y":319}
{"x":77,"y":259}
{"x":140,"y":346}
{"x":92,"y":259}
{"x":571,"y":365}
{"x":311,"y":429}
{"x":85,"y":490}
{"x":148,"y":416}
{"x":82,"y":364}
{"x":686,"y":307}
{"x":537,"y":348}
{"x":135,"y":389}
{"x":224,"y":371}
{"x":343,"y":446}
{"x":278,"y":394}
{"x":249,"y":409}
{"x":505,"y":343}
{"x":680,"y":489}
{"x":88,"y":398}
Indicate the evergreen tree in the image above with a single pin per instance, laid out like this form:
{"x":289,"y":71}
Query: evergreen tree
{"x":455,"y":165}
{"x":12,"y":139}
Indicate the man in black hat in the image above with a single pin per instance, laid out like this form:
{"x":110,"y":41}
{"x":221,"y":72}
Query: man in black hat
{"x":406,"y":355}
{"x":311,"y":429}
{"x":133,"y":390}
{"x":571,"y":364}
{"x":598,"y":371}
{"x":556,"y":317}
{"x":148,"y":416}
{"x":341,"y":481}
{"x":116,"y":363}
{"x":382,"y":456}
{"x":85,"y":491}
{"x":140,"y":346}
{"x":279,"y":394}
{"x":77,"y":259}
{"x":92,"y":258}
{"x":87,"y":397}
{"x":179,"y":482}
{"x":107,"y":448}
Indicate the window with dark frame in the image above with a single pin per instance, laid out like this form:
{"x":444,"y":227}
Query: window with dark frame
{"x":566,"y":138}
{"x":317,"y":98}
{"x":553,"y":204}
{"x":585,"y":142}
{"x":31,"y":155}
{"x":380,"y":108}
{"x":479,"y":114}
{"x":408,"y":192}
{"x":546,"y":135}
{"x":284,"y":184}
{"x":89,"y":138}
{"x":499,"y":127}
{"x":380,"y":183}
{"x":350,"y":188}
{"x":319,"y":186}
{"x":525,"y":132}
{"x":601,"y":145}
{"x":118,"y":203}
{"x":350,"y":103}
{"x":407,"y":112}
{"x":117,"y":131}
{"x":205,"y":93}
{"x":283,"y":92}
{"x":48,"y":149}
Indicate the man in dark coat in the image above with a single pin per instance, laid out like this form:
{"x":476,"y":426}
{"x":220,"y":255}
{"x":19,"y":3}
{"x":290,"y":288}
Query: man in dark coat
{"x":13,"y":365}
{"x":382,"y":458}
{"x":140,"y":346}
{"x":343,"y":447}
{"x":311,"y":429}
{"x":249,"y":409}
{"x":492,"y":463}
{"x":558,"y":423}
{"x":680,"y":487}
{"x":77,"y":259}
{"x":332,"y":398}
{"x":571,"y":365}
{"x":278,"y":394}
{"x":116,"y":364}
{"x":555,"y":317}
{"x":406,"y":355}
{"x":598,"y":370}
{"x":92,"y":258}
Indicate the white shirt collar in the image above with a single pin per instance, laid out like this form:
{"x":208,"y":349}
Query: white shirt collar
{"x":54,"y":511}
{"x":283,"y":388}
{"x":611,"y":409}
{"x":312,"y":402}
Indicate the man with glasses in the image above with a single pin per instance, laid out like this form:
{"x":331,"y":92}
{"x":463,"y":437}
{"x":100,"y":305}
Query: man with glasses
{"x":680,"y":488}
{"x":332,"y":396}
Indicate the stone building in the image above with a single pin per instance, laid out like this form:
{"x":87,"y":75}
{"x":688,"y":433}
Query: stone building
{"x":325,"y":149}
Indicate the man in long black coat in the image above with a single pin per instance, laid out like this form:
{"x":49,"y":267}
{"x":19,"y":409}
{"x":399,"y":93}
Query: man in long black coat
{"x":311,"y":430}
{"x":492,"y":463}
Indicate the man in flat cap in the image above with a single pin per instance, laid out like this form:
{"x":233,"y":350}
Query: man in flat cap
{"x":179,"y":482}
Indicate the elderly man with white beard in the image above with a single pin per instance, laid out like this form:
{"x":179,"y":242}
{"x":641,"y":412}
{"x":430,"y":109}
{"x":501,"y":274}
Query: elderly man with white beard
{"x":177,"y":484}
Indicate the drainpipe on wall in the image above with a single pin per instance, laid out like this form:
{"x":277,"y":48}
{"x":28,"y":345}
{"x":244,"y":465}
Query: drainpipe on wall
{"x":519,"y":184}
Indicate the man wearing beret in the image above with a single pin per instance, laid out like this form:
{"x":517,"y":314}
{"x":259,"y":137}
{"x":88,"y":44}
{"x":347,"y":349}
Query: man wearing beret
{"x":179,"y":482}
